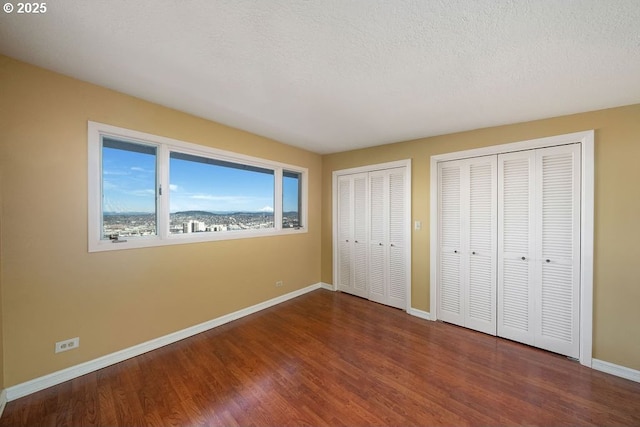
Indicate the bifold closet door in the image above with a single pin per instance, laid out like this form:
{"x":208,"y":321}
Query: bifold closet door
{"x":467,"y":236}
{"x":539,"y":248}
{"x":352,"y":234}
{"x":388,"y":242}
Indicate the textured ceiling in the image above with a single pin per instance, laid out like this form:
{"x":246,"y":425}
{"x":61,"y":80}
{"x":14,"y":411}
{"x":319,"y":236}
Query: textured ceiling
{"x":333,"y":75}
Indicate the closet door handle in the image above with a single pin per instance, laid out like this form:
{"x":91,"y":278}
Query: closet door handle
{"x":393,"y":245}
{"x":548,"y":260}
{"x":356,"y":241}
{"x":524,"y":259}
{"x":455,"y":252}
{"x":379,"y":244}
{"x":347,"y":240}
{"x":473,"y":253}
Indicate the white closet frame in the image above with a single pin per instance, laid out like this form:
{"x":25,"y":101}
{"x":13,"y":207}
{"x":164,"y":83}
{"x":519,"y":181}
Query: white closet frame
{"x":586,"y":139}
{"x":407,"y":199}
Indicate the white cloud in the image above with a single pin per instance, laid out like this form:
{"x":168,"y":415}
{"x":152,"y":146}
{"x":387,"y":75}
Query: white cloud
{"x":139,"y":169}
{"x":173,"y":187}
{"x":219,"y":198}
{"x":142,"y":193}
{"x":115,"y":173}
{"x":266,"y":209}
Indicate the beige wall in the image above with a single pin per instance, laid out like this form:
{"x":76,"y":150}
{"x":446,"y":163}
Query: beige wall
{"x":53,"y":289}
{"x":617,"y":213}
{"x":1,"y":318}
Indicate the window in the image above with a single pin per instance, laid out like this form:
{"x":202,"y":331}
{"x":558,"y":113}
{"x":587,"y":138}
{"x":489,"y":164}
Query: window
{"x":146,"y":190}
{"x":209,"y":195}
{"x":128,"y":189}
{"x":291,"y":199}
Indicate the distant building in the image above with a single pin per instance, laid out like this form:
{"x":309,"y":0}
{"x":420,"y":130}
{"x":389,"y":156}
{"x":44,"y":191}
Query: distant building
{"x":193,"y":226}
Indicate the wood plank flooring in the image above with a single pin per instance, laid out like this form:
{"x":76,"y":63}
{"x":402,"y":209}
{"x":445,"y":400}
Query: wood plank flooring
{"x":328,"y":358}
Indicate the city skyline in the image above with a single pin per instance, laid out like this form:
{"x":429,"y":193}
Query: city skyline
{"x":145,"y":224}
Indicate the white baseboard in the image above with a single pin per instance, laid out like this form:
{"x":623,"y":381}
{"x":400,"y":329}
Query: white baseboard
{"x":37,"y":384}
{"x":617,"y":370}
{"x":3,"y":400}
{"x":327,"y":286}
{"x":419,"y":313}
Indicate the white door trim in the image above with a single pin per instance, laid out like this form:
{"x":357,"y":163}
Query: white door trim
{"x":407,"y":199}
{"x":586,"y":139}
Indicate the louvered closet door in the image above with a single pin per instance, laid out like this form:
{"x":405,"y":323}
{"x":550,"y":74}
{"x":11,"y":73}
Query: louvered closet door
{"x":360,"y":261}
{"x":516,"y":245}
{"x":352,"y":234}
{"x":398,"y":239}
{"x":558,"y":252}
{"x":480,"y":254}
{"x":450,"y":292}
{"x":345,"y":225}
{"x":539,"y":248}
{"x":387,"y":237}
{"x":378,"y":233}
{"x":467,"y":272}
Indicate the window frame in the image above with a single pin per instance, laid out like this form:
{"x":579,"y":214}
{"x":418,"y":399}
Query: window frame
{"x":165,"y":145}
{"x":299,"y":195}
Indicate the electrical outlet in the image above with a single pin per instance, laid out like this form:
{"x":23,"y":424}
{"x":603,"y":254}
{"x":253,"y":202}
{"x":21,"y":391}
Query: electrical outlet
{"x":279,"y":283}
{"x":67,"y":344}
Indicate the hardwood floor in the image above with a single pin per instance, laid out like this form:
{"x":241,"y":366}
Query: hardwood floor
{"x":328,"y":358}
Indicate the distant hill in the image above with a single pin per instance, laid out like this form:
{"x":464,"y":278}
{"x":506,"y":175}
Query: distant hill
{"x":216,"y":213}
{"x":200,"y":213}
{"x":127,"y":213}
{"x":194,"y":213}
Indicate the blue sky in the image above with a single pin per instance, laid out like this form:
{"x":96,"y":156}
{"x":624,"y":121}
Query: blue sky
{"x":128,"y":181}
{"x":129,"y":186}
